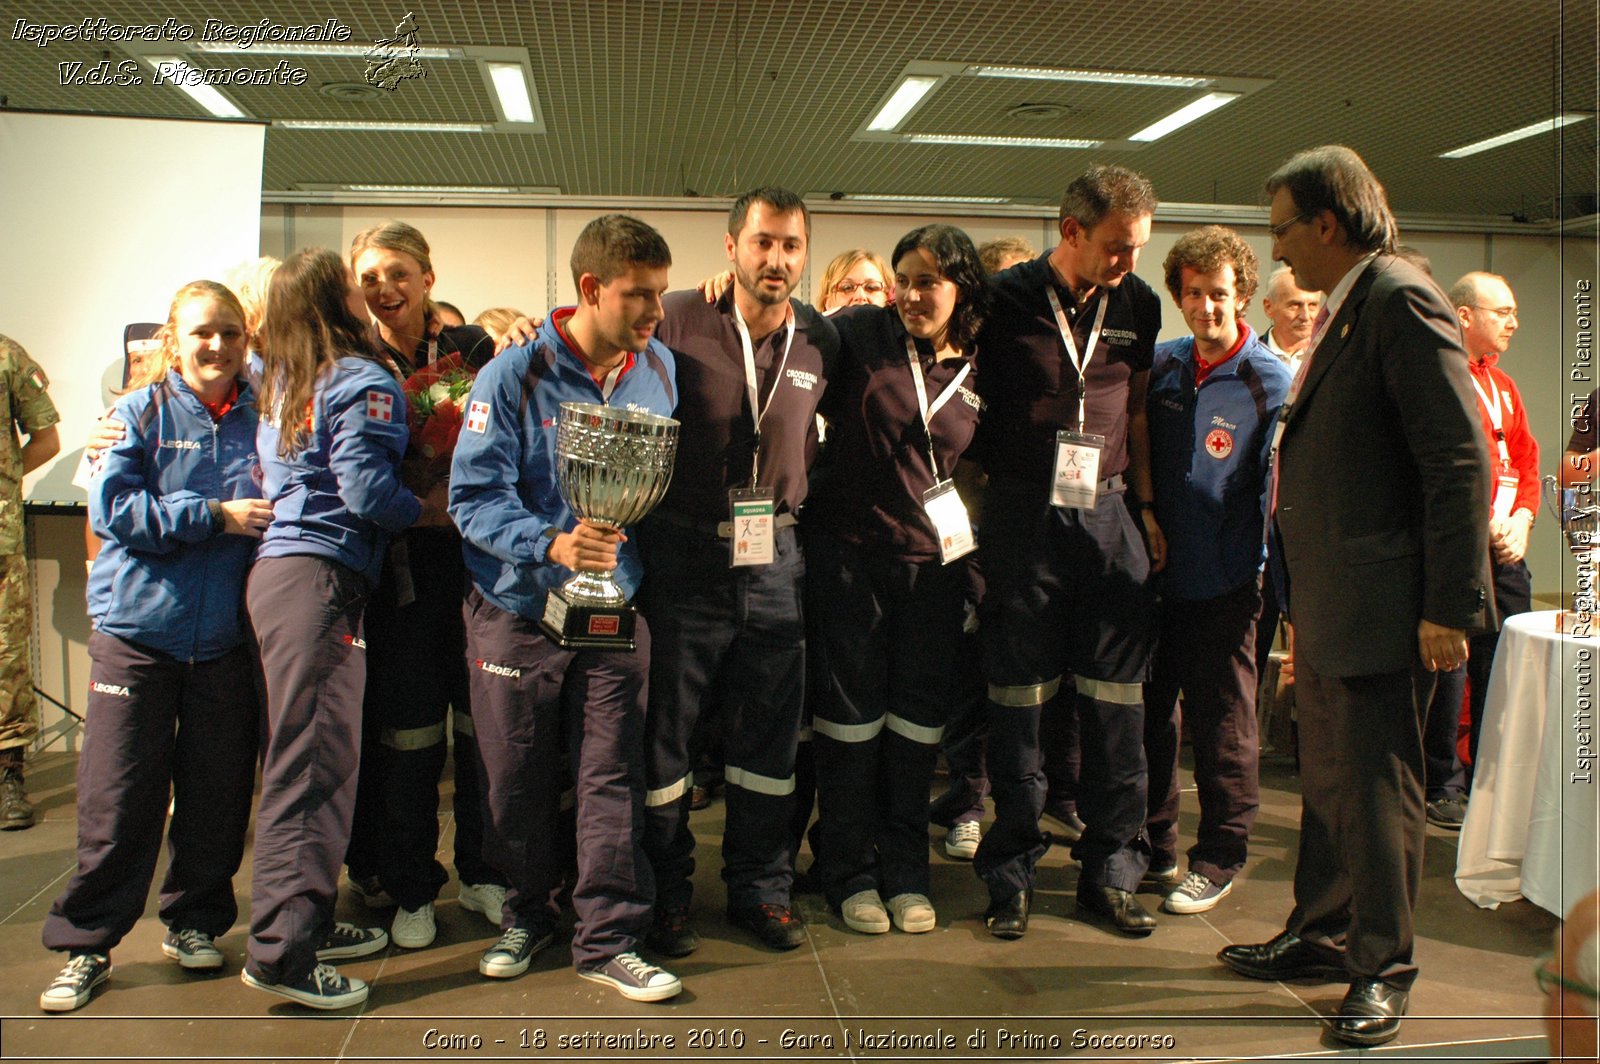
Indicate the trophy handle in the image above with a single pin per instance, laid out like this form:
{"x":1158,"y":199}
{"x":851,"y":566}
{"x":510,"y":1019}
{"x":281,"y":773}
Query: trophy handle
{"x":1552,"y":495}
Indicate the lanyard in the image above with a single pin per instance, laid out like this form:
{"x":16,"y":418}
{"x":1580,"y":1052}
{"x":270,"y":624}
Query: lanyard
{"x":1072,"y":344}
{"x":757,"y":411}
{"x":1496,"y":416}
{"x":923,"y":408}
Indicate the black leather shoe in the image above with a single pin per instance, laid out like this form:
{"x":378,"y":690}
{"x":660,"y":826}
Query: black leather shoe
{"x":1370,"y":1013}
{"x":1009,"y":919}
{"x":1118,"y":906}
{"x":671,"y":934}
{"x":1285,"y":957}
{"x":775,"y":925}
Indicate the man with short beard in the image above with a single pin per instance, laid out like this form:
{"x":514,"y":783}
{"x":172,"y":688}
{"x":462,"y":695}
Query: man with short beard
{"x":724,"y":571}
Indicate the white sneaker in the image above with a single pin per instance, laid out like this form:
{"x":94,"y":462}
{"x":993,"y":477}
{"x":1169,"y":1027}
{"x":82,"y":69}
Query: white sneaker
{"x":634,"y":978}
{"x":413,"y":928}
{"x":863,"y":911}
{"x":913,"y":913}
{"x":486,"y":898}
{"x":961,"y":842}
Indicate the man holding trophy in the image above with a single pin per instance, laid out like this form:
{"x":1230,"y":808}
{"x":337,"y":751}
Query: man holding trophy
{"x":566,"y":441}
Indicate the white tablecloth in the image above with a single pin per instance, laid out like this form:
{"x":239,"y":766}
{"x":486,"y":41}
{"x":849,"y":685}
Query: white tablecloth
{"x":1531,"y":821}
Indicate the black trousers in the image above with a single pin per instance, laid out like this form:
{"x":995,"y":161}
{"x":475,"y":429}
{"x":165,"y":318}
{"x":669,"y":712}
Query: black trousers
{"x":307,"y":615}
{"x":1206,"y":650}
{"x":1362,"y":825}
{"x":735,"y":637}
{"x":886,"y":634}
{"x":538,"y":709}
{"x":1446,"y":776}
{"x":1067,"y":614}
{"x":157,"y":726}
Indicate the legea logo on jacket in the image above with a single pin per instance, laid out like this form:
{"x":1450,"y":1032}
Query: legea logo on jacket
{"x":181,"y":445}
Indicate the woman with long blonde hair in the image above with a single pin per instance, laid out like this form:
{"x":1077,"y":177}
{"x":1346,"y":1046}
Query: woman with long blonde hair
{"x":172,"y":703}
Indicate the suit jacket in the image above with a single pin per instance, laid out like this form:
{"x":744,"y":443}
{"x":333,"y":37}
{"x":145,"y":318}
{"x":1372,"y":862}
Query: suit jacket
{"x":1384,"y":481}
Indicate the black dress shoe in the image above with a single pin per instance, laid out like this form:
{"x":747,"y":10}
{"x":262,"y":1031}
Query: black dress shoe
{"x":777,"y":926}
{"x":1009,"y":919}
{"x":1370,"y":1013}
{"x":1285,"y":957}
{"x":1118,"y":906}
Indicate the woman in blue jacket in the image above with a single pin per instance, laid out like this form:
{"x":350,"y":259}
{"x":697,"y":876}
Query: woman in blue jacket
{"x":172,"y":703}
{"x":333,"y":429}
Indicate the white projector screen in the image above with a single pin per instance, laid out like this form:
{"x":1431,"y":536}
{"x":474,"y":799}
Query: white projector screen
{"x":104,"y":218}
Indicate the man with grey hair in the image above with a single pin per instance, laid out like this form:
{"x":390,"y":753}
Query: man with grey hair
{"x":1378,"y":496}
{"x":1291,"y":309}
{"x":1487,"y":310}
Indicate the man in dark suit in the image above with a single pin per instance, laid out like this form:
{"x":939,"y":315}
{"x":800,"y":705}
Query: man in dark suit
{"x":1382,"y":483}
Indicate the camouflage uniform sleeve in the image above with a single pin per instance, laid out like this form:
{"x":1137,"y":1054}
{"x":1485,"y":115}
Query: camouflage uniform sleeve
{"x":29,"y":387}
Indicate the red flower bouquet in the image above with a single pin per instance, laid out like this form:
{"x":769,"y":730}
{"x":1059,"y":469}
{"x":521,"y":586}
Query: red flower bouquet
{"x":436,"y":396}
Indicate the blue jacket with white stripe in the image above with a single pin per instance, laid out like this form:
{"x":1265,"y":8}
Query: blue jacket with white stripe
{"x":167,"y":577}
{"x":341,"y":497}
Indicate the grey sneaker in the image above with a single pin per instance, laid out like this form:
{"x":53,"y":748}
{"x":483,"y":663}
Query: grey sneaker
{"x":191,"y":949}
{"x":72,"y":988}
{"x":322,"y":988}
{"x":1196,"y":894}
{"x":1447,"y":813}
{"x":348,"y":940}
{"x":16,"y":812}
{"x":961,"y":842}
{"x":634,"y":978}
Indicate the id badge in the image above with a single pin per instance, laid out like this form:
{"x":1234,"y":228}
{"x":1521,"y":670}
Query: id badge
{"x":950,"y":522}
{"x":1505,"y":496}
{"x":752,"y":513}
{"x":1077,"y":475}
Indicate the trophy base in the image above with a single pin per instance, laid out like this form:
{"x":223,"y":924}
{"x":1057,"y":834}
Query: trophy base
{"x":587,"y":627}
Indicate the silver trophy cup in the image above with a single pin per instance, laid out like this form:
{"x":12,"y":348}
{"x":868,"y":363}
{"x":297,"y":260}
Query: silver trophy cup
{"x":612,"y":466}
{"x":1578,"y":511}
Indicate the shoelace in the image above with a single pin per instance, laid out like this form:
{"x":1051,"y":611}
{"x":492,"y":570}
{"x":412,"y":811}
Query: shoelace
{"x":513,"y":941}
{"x":326,"y":977}
{"x":78,"y":968}
{"x":192,"y":939}
{"x":637,"y":967}
{"x":967,"y":830}
{"x":1194,"y":884}
{"x":344,"y":934}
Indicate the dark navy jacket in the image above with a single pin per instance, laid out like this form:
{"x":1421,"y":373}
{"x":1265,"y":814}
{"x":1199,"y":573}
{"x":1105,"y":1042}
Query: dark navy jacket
{"x":166,"y":578}
{"x":1208,"y":462}
{"x":504,"y":494}
{"x":341,"y":497}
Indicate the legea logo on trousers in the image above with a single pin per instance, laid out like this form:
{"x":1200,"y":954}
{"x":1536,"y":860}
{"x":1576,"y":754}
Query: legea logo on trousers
{"x":499,"y":670}
{"x":110,"y":689}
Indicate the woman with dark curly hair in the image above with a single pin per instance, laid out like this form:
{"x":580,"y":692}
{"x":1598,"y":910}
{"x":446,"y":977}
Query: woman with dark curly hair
{"x":887,"y":539}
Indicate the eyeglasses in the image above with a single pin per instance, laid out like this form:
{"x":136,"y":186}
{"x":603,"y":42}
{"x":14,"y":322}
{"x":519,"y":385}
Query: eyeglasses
{"x":848,"y":288}
{"x":1550,"y":980}
{"x":1281,"y":228}
{"x":1503,"y":313}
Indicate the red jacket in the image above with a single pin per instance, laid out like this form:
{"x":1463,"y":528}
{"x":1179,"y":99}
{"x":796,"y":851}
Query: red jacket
{"x":1522,"y":450}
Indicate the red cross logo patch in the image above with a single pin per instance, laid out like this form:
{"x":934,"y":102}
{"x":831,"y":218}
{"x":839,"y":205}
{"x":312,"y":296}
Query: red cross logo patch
{"x":380,"y":406}
{"x":1219,"y":443}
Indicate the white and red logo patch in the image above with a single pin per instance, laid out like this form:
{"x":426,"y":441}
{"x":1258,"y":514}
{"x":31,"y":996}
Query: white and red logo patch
{"x":477,"y":416}
{"x":380,"y":406}
{"x":1219,"y":443}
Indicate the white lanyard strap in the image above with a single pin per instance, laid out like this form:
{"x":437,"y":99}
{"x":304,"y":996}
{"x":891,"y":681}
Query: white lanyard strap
{"x":757,"y":411}
{"x":608,"y":383}
{"x":1081,"y":365}
{"x":1496,"y":415}
{"x":923,"y":408}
